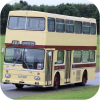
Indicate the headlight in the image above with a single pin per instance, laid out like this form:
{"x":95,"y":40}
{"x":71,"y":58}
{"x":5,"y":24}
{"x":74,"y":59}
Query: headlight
{"x":7,"y":75}
{"x":37,"y":78}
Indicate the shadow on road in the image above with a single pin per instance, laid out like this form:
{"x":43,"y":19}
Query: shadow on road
{"x":46,"y":89}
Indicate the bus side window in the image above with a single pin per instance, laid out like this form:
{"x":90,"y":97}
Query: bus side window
{"x":93,"y":28}
{"x":60,"y":25}
{"x":60,"y":57}
{"x":78,"y":27}
{"x":92,"y":56}
{"x":69,"y":26}
{"x":86,"y":28}
{"x":51,"y":24}
{"x":77,"y":58}
{"x":85,"y":56}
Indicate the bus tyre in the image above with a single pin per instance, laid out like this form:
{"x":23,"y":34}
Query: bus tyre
{"x":84,"y":79}
{"x":56,"y":82}
{"x":19,"y":86}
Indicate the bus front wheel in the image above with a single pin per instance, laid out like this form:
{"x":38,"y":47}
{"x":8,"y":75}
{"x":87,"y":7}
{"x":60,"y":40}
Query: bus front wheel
{"x":56,"y":82}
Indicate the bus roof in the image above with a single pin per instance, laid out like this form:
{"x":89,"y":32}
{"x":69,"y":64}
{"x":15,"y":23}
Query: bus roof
{"x":30,"y":13}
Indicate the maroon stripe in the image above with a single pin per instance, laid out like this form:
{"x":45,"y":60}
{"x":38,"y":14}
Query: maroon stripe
{"x":73,"y":47}
{"x":59,"y":67}
{"x":56,"y":47}
{"x":83,"y":65}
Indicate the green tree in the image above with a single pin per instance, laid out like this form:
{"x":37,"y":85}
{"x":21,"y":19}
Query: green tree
{"x":86,"y":10}
{"x":4,"y":17}
{"x":79,"y":10}
{"x":24,"y":3}
{"x":17,"y":6}
{"x":67,"y":9}
{"x":97,"y":16}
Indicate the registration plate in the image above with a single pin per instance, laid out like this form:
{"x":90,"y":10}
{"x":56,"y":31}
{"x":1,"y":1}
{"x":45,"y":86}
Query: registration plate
{"x":22,"y":76}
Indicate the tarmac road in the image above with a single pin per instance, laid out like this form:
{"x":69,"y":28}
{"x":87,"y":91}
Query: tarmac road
{"x":10,"y":90}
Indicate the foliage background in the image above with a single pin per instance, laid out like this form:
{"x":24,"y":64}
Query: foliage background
{"x":79,"y":10}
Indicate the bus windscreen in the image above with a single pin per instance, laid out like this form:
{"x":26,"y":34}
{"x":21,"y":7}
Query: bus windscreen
{"x":30,"y":58}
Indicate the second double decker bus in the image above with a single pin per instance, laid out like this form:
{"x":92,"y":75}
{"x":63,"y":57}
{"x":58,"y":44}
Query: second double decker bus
{"x":49,"y":50}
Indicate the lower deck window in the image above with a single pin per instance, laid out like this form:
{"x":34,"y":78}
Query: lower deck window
{"x":85,"y":56}
{"x":60,"y":57}
{"x":92,"y":56}
{"x":77,"y":56}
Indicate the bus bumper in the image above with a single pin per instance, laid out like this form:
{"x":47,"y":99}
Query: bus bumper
{"x":11,"y":81}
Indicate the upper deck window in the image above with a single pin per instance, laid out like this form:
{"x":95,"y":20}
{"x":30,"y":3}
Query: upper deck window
{"x":86,"y":28}
{"x":93,"y":28}
{"x":60,"y":25}
{"x":69,"y":26}
{"x":35,"y":24}
{"x":17,"y":23}
{"x":78,"y":27}
{"x":51,"y":24}
{"x":27,"y":23}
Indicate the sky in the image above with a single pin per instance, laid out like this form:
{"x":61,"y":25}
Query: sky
{"x":50,"y":2}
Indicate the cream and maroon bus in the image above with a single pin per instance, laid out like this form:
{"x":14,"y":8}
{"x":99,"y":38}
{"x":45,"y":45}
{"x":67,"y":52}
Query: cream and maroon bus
{"x":49,"y":50}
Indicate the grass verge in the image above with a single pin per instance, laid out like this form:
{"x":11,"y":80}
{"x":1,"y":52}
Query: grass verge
{"x":2,"y":38}
{"x":80,"y":93}
{"x":98,"y":45}
{"x":1,"y":66}
{"x":98,"y":62}
{"x":1,"y":46}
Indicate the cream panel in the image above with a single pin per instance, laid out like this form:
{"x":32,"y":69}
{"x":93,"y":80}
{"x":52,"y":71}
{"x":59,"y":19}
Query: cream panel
{"x":30,"y":77}
{"x":27,"y":13}
{"x":38,"y":37}
{"x":68,"y":39}
{"x":90,"y":74}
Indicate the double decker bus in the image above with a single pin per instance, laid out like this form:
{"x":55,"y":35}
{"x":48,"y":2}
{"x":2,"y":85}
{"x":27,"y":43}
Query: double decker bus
{"x":49,"y":50}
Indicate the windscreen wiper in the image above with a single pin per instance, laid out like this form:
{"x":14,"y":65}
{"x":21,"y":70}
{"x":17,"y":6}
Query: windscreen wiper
{"x":17,"y":59}
{"x":25,"y":61}
{"x":26,"y":64}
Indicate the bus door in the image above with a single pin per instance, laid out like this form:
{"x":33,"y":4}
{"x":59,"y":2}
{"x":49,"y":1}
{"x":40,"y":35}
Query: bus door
{"x":68,"y":66}
{"x":48,"y":68}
